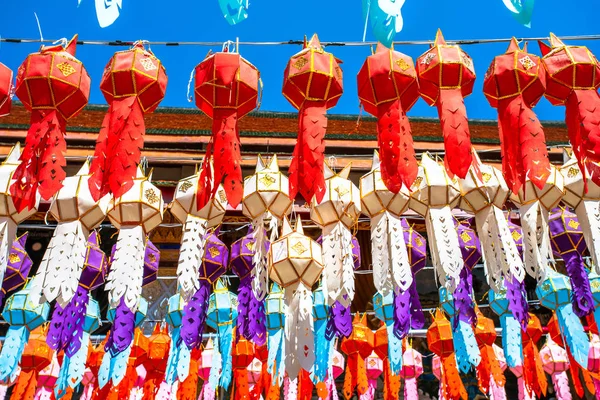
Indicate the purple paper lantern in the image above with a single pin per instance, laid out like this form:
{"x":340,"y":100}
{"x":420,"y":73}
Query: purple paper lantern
{"x":17,"y":267}
{"x":95,"y":266}
{"x":151,"y":261}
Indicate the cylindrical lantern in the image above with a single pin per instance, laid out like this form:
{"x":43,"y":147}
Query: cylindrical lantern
{"x":55,"y":87}
{"x":312,"y":83}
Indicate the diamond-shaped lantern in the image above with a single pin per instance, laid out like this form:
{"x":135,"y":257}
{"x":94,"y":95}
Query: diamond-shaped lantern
{"x":266,"y":191}
{"x":276,"y":310}
{"x":21,"y":310}
{"x":215,"y":258}
{"x":439,"y":336}
{"x":18,"y":266}
{"x":37,"y":355}
{"x":374,"y":366}
{"x":554,"y":291}
{"x":205,"y":361}
{"x":184,"y":204}
{"x":6,"y":87}
{"x":412,"y":368}
{"x":549,"y":196}
{"x":477,"y":194}
{"x":95,"y":265}
{"x":7,"y":206}
{"x":139,"y":347}
{"x":555,"y":361}
{"x":158,"y":350}
{"x":358,"y":346}
{"x":376,"y":198}
{"x":175,"y":311}
{"x":341,"y":202}
{"x":433,"y":187}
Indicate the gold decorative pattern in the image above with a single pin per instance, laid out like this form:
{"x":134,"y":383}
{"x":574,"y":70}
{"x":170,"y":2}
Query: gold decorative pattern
{"x":403,"y":65}
{"x":516,"y":235}
{"x":418,"y":241}
{"x":466,"y":238}
{"x":14,"y":258}
{"x":148,"y":64}
{"x":486,"y":177}
{"x":595,"y":284}
{"x":527,"y":63}
{"x":222,"y":196}
{"x":573,"y":224}
{"x":151,"y":196}
{"x":267,"y":180}
{"x":185,"y":186}
{"x":417,"y":182}
{"x":301,"y":62}
{"x":428,"y":59}
{"x":338,"y":72}
{"x":214,"y":252}
{"x":546,"y":287}
{"x":341,"y":191}
{"x":250,"y":246}
{"x":299,"y":248}
{"x":152,"y":258}
{"x":66,"y":69}
{"x":572,"y":172}
{"x":467,"y":60}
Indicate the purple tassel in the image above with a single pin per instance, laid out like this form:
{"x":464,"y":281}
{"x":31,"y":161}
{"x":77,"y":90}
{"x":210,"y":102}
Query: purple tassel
{"x":402,"y":320}
{"x":73,"y":330}
{"x":463,"y":303}
{"x":517,"y":302}
{"x":340,"y":320}
{"x":54,"y":338}
{"x":121,"y":332}
{"x":583,"y":302}
{"x":256,"y":324}
{"x":194,"y":315}
{"x":243,"y":319}
{"x":417,"y":319}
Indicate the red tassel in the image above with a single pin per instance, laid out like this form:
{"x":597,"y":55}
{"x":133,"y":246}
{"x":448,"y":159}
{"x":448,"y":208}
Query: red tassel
{"x":188,"y":388}
{"x":305,"y":386}
{"x":124,"y":143}
{"x":397,"y":154}
{"x":96,"y":180}
{"x":455,"y":128}
{"x":583,"y":125}
{"x":42,"y":161}
{"x":240,"y":389}
{"x":533,"y":372}
{"x":228,"y":158}
{"x":524,"y":152}
{"x":306,"y":168}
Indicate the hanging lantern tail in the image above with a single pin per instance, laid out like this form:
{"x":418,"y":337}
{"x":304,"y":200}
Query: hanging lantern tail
{"x":465,"y":347}
{"x":8,"y":231}
{"x":96,"y":184}
{"x":299,"y":331}
{"x":225,"y":344}
{"x":194,"y":316}
{"x":66,"y":330}
{"x":339,"y":270}
{"x":76,"y":364}
{"x":533,"y":372}
{"x":12,"y":349}
{"x":442,"y":232}
{"x":589,"y":218}
{"x":184,"y":359}
{"x":584,"y":130}
{"x":511,"y":341}
{"x":306,"y":169}
{"x":227,"y":165}
{"x":510,"y":253}
{"x":190,"y":255}
{"x":380,"y":252}
{"x":452,"y":385}
{"x":574,"y":334}
{"x":583,"y":300}
{"x":260,"y":275}
{"x":400,"y":265}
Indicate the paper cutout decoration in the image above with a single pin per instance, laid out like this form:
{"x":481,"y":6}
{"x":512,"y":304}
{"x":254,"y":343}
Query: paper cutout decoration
{"x":156,"y":363}
{"x":18,"y":266}
{"x":485,"y":197}
{"x":324,"y":332}
{"x":387,"y":89}
{"x":296,"y":263}
{"x":489,"y":372}
{"x":234,"y":11}
{"x":385,"y":17}
{"x":583,"y":196}
{"x":276,"y":314}
{"x":514,"y":83}
{"x":336,"y":369}
{"x":572,"y":75}
{"x":226,"y":89}
{"x":204,"y":367}
{"x":374,"y":367}
{"x":416,"y":246}
{"x":312,"y":83}
{"x":391,"y":380}
{"x":358,"y":346}
{"x":6,"y":88}
{"x":46,"y":380}
{"x":55,"y":87}
{"x":412,"y":368}
{"x":251,"y":311}
{"x":391,"y":267}
{"x":174,"y":318}
{"x":10,"y":217}
{"x":77,"y":214}
{"x":434,"y":196}
{"x":222,"y":315}
{"x":533,"y":371}
{"x":446,"y":76}
{"x":556,"y":363}
{"x":24,"y":316}
{"x":497,"y":392}
{"x":213,"y":264}
{"x":266,"y":202}
{"x":36,"y":357}
{"x":107,"y":11}
{"x":521,"y":10}
{"x":254,"y":374}
{"x":133,"y":83}
{"x":242,"y":355}
{"x":439,"y":340}
{"x":196,"y":221}
{"x":384,"y":308}
{"x":337,"y":213}
{"x":501,"y":305}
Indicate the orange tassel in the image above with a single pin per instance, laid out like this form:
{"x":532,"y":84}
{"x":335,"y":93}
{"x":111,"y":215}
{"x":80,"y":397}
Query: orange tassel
{"x":239,"y":389}
{"x":356,"y":376}
{"x":188,"y":388}
{"x":392,"y":383}
{"x":24,"y":388}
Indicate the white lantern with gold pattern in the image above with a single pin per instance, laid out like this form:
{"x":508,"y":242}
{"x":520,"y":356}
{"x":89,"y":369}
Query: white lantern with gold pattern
{"x":534,"y":205}
{"x":9,"y":217}
{"x":77,"y":214}
{"x":135,"y":214}
{"x":434,"y":195}
{"x":391,"y":266}
{"x":296,"y":263}
{"x":485,"y":198}
{"x":266,"y":198}
{"x":195,"y":224}
{"x":336,"y":214}
{"x":586,"y":205}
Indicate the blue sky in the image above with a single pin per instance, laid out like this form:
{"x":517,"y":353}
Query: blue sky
{"x":269,"y":20}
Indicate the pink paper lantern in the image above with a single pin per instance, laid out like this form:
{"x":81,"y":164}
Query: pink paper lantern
{"x":205,"y":362}
{"x":555,"y":361}
{"x":412,"y":368}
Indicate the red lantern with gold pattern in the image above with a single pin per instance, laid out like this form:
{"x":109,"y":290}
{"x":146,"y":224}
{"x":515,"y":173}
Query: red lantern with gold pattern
{"x":134,"y":83}
{"x":358,"y":346}
{"x":312,"y":83}
{"x":387,"y":89}
{"x":439,"y":339}
{"x":37,"y":355}
{"x":6,"y":87}
{"x":242,"y":355}
{"x":514,"y":83}
{"x":55,"y":87}
{"x":446,"y":76}
{"x":572,"y":79}
{"x":226,"y":89}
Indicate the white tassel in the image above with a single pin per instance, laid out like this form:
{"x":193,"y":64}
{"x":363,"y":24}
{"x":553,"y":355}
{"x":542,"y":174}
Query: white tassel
{"x":8,"y":232}
{"x":260,"y":277}
{"x":339,"y":266}
{"x":190,"y":255}
{"x":510,"y":252}
{"x":300,"y":346}
{"x":62,"y":262}
{"x":127,"y":270}
{"x":588,"y":214}
{"x":535,"y":264}
{"x":488,"y":235}
{"x":400,"y":265}
{"x":446,"y":256}
{"x":380,"y":253}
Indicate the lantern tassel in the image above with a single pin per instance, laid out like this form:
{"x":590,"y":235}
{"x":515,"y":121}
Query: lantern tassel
{"x":190,"y":255}
{"x":119,"y":147}
{"x":497,"y":392}
{"x":186,"y":390}
{"x":210,"y":387}
{"x":574,"y":334}
{"x":465,"y":346}
{"x":451,"y":384}
{"x":25,"y":386}
{"x":517,"y":301}
{"x":402,"y":305}
{"x":260,"y":275}
{"x":243,"y":319}
{"x":194,"y":315}
{"x":588,"y":215}
{"x":14,"y":344}
{"x":127,"y":268}
{"x":380,"y":252}
{"x":66,"y":326}
{"x":583,"y":301}
{"x":394,"y":139}
{"x":322,"y":351}
{"x":532,"y":216}
{"x":339,"y":267}
{"x":42,"y":161}
{"x":392,"y":382}
{"x":225,"y":333}
{"x":299,"y":331}
{"x":511,"y":340}
{"x":417,"y":319}
{"x":394,"y":351}
{"x":401,"y":271}
{"x":275,"y":363}
{"x":489,"y":370}
{"x":444,"y":240}
{"x":340,"y":321}
{"x":355,"y":376}
{"x":455,"y":128}
{"x":8,"y":232}
{"x":560,"y":380}
{"x":533,"y":372}
{"x":171,"y":371}
{"x":227,"y":148}
{"x":183,"y":362}
{"x":306,"y":169}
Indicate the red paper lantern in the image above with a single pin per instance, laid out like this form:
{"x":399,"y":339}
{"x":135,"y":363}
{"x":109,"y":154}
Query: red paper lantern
{"x":388,"y":88}
{"x":573,"y":78}
{"x":6,"y":86}
{"x":134,"y":83}
{"x":358,"y":346}
{"x":312,"y":83}
{"x":533,"y":371}
{"x":159,"y":345}
{"x":446,"y":76}
{"x":37,"y":355}
{"x":513,"y":84}
{"x":226,"y":89}
{"x":54,"y":86}
{"x":242,"y":355}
